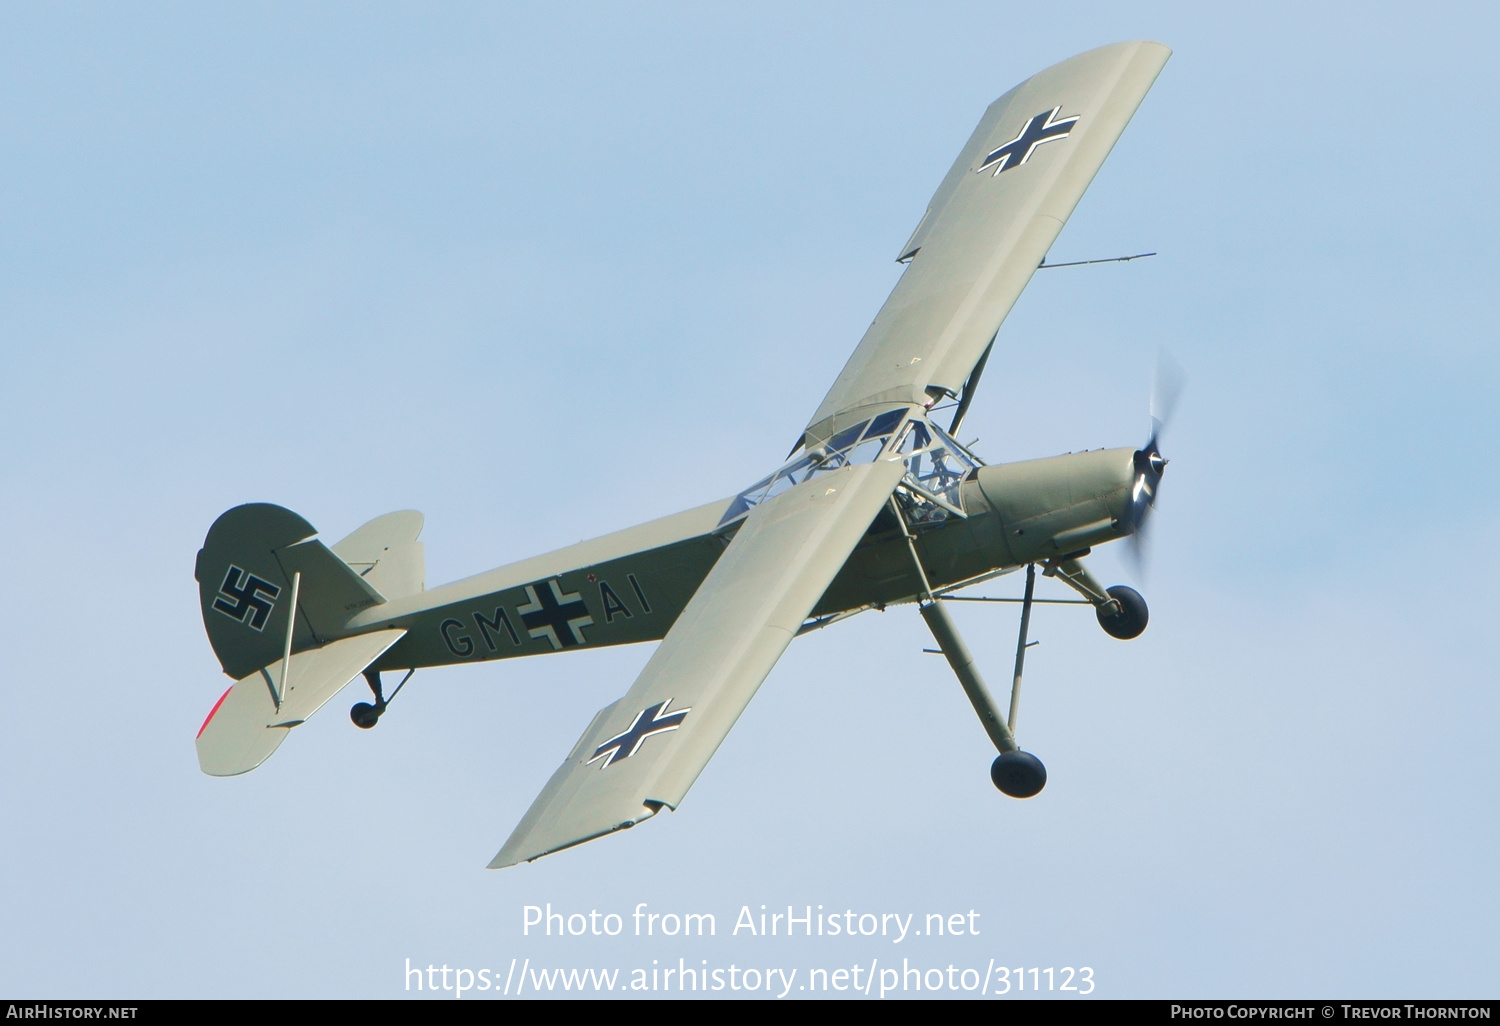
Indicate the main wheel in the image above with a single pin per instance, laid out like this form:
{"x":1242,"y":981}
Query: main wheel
{"x":1130,"y":621}
{"x":1019,"y":774}
{"x":364,"y":715}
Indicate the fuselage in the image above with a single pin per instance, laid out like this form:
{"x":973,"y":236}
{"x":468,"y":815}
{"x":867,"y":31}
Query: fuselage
{"x":630,"y":586}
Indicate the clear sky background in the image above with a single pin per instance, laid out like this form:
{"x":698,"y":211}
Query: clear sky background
{"x":545,"y":275}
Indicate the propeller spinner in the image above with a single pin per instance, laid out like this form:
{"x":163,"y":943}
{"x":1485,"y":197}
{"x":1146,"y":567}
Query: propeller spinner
{"x":1149,"y":462}
{"x":1149,"y":465}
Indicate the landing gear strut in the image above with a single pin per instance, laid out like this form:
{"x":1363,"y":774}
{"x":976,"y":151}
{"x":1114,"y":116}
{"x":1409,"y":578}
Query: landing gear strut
{"x":1121,"y":610}
{"x":366,"y":715}
{"x":1016,"y":773}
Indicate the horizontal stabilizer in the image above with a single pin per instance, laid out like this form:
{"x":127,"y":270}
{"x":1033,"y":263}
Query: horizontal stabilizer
{"x":386,"y":553}
{"x":248,"y":723}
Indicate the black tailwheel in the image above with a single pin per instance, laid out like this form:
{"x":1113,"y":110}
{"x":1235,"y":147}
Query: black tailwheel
{"x":366,"y":715}
{"x":1019,"y":774}
{"x":1130,"y":619}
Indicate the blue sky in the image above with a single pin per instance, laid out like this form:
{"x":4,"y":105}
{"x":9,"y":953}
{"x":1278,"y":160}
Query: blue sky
{"x":546,"y":274}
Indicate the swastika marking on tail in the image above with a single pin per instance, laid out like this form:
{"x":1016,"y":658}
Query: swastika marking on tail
{"x":244,"y":595}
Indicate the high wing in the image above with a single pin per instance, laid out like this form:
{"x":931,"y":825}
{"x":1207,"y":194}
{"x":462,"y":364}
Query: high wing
{"x":990,"y":224}
{"x":986,"y":230}
{"x":644,"y":751}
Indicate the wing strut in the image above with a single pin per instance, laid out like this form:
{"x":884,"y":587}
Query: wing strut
{"x":969,"y":386}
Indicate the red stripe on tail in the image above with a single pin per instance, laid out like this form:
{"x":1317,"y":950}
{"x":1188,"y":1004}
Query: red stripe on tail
{"x":212,"y":711}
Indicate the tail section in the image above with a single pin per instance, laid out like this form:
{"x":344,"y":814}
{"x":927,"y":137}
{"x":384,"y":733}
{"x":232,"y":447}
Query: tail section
{"x":244,"y":577}
{"x":246,"y":572}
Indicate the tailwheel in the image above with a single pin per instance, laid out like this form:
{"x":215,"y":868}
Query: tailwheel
{"x":1129,"y":617}
{"x":364,"y":715}
{"x":1019,"y":774}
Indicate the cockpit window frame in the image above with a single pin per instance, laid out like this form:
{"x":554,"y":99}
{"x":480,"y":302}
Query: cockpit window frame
{"x":886,"y":423}
{"x":846,"y":438}
{"x":851,"y":446}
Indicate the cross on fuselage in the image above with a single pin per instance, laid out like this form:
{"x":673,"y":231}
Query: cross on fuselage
{"x":1040,"y":129}
{"x":552,"y":614}
{"x":647,"y":722}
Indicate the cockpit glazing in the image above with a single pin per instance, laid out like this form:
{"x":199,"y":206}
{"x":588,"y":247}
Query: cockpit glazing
{"x":936,"y":466}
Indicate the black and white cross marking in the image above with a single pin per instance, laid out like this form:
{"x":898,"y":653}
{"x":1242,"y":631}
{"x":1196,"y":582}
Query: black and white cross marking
{"x":557,"y":616}
{"x":654,"y":719}
{"x":1040,"y":129}
{"x":237,"y":600}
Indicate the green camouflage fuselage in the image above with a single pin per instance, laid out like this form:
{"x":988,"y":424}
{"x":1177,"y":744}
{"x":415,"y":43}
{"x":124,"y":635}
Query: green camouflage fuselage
{"x":630,"y":586}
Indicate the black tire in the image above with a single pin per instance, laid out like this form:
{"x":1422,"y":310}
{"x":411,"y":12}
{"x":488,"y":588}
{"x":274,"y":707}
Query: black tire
{"x":1018,"y":774}
{"x":364,"y":715}
{"x":1131,"y":620}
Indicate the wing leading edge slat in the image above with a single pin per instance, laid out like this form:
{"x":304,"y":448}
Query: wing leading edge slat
{"x":991,"y":223}
{"x":644,"y":751}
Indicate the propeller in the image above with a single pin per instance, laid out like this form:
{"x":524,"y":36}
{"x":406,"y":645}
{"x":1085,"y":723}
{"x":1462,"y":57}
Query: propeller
{"x":1149,"y":462}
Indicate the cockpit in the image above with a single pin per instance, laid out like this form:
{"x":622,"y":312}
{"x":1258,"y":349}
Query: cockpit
{"x":936,"y":465}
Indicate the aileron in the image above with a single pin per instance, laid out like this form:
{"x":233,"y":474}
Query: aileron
{"x":990,"y":224}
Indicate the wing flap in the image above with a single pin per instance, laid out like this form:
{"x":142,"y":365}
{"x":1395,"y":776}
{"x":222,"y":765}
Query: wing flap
{"x":990,"y":224}
{"x":644,"y":751}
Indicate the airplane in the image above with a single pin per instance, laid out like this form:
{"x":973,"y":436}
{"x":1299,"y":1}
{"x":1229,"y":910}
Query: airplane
{"x":877,"y":505}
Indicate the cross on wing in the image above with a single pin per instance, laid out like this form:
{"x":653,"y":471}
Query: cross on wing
{"x":651,"y":720}
{"x":1043,"y":128}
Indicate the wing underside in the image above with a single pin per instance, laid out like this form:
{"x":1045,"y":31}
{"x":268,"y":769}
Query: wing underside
{"x":644,"y":751}
{"x":990,"y":225}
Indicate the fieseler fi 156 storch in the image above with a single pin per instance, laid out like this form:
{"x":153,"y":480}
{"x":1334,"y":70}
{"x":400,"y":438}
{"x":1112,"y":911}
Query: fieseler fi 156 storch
{"x":877,"y":505}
